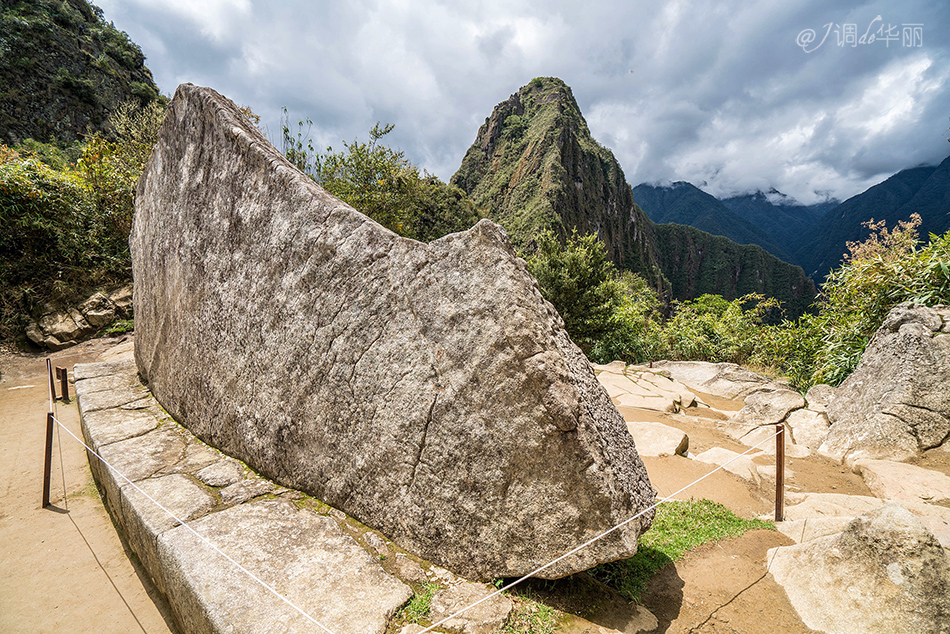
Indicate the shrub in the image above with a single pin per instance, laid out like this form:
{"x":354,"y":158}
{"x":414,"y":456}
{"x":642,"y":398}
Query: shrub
{"x":383,"y":184}
{"x":580,"y":281}
{"x":888,"y":268}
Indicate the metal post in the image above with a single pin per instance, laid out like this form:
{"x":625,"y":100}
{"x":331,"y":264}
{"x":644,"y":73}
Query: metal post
{"x":49,"y":458}
{"x":780,"y":473}
{"x":63,"y":375}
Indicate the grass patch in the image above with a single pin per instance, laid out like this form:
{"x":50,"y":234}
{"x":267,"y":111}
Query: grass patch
{"x":120,"y":327}
{"x":678,"y":528}
{"x":530,"y":617}
{"x":418,"y":607}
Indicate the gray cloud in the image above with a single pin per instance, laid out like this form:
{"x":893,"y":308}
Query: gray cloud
{"x":719,"y":94}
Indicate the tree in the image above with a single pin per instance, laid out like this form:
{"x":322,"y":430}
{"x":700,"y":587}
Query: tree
{"x":383,"y":184}
{"x":579,"y":280}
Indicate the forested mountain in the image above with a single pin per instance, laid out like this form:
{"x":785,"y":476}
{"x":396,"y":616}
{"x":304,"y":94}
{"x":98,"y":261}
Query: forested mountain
{"x":921,"y":190}
{"x":783,"y":220}
{"x":686,"y":204}
{"x":534,"y":166}
{"x":64,"y":70}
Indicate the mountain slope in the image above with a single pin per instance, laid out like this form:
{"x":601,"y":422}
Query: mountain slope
{"x":696,"y":263}
{"x":684,"y":204}
{"x":784,"y":222}
{"x":534,"y":166}
{"x":922,"y":190}
{"x":63,"y":70}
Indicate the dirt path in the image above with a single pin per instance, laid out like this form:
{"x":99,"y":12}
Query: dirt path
{"x":64,"y":568}
{"x":725,"y":587}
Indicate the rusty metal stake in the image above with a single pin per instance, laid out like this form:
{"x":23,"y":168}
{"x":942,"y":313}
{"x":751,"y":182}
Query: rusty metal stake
{"x":780,"y":473}
{"x":63,"y":375}
{"x":49,"y":458}
{"x":52,"y":385}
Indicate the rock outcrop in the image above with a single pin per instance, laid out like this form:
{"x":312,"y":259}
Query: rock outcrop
{"x":885,"y":573}
{"x":426,"y":389}
{"x":896,"y":403}
{"x":60,"y":327}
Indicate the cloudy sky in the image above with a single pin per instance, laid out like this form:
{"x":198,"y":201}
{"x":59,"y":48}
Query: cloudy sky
{"x":814,"y":98}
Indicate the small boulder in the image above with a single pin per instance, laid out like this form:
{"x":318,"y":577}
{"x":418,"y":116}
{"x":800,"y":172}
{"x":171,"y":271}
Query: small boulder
{"x":818,"y":397}
{"x":904,"y":482}
{"x":809,"y":427}
{"x":98,"y":310}
{"x":60,"y":325}
{"x":657,"y":439}
{"x":885,"y":573}
{"x":485,"y":618}
{"x":768,"y":407}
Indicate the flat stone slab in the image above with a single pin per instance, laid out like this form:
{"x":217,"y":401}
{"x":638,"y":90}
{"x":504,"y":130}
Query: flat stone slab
{"x":657,"y":439}
{"x":725,"y":380}
{"x":904,"y":482}
{"x":305,"y":557}
{"x":485,"y":618}
{"x":741,"y":466}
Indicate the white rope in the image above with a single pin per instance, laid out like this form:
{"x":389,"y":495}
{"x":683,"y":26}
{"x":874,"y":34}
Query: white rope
{"x":197,"y":534}
{"x":592,"y":540}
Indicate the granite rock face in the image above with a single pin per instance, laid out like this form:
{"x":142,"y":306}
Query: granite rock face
{"x":885,"y":573}
{"x":426,"y":389}
{"x":896,"y":403}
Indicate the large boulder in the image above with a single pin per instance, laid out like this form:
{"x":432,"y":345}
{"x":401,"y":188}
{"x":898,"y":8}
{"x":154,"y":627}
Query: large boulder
{"x":426,"y":389}
{"x":896,"y":403}
{"x":886,"y":573}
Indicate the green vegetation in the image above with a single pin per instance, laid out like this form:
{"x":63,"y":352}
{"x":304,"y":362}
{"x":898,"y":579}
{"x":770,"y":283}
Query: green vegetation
{"x":120,"y":327}
{"x":579,"y":281}
{"x":64,"y":70}
{"x":678,"y":528}
{"x":618,"y":316}
{"x":383,"y":184}
{"x":418,"y":607}
{"x":66,"y":221}
{"x":888,"y":268}
{"x":529,"y":616}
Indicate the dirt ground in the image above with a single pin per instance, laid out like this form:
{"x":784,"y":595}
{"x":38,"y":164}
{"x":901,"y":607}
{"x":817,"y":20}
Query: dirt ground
{"x":63,"y":568}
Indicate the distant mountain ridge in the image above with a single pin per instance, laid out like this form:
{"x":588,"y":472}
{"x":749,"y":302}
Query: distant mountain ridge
{"x":534,"y":166}
{"x":813,"y":236}
{"x":686,"y":204}
{"x":921,"y":190}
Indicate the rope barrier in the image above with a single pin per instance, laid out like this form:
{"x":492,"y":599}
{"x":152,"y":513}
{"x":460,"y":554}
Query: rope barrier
{"x":196,"y":533}
{"x":592,"y":540}
{"x":451,"y":616}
